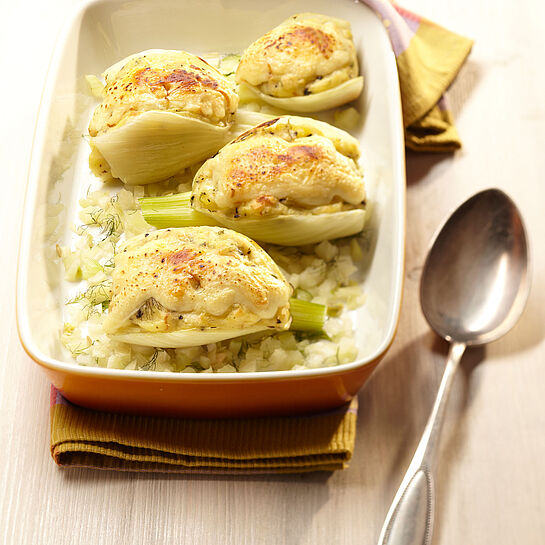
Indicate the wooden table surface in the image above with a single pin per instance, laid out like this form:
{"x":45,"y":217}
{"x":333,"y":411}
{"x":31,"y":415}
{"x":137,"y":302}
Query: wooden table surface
{"x":491,"y":478}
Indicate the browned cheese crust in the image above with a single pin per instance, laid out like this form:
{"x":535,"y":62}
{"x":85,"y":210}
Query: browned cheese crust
{"x":196,"y":277}
{"x":289,"y":165}
{"x":306,"y":54}
{"x":172,"y":81}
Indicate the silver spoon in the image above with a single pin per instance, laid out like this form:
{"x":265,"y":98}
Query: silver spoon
{"x":473,"y":289}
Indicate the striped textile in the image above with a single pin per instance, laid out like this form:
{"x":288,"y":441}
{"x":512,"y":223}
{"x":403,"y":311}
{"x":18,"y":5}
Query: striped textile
{"x":85,"y":438}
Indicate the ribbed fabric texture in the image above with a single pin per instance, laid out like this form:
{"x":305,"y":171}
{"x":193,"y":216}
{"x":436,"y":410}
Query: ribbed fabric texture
{"x":428,"y":59}
{"x":82,"y":437}
{"x":426,"y":70}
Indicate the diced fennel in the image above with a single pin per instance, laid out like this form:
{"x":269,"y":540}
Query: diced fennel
{"x":347,"y":118}
{"x":324,"y":100}
{"x":96,"y":87}
{"x":288,"y":230}
{"x":306,"y":316}
{"x":85,"y":338}
{"x":228,"y":64}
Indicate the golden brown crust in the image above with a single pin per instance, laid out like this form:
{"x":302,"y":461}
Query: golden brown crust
{"x":172,"y":81}
{"x":198,"y":277}
{"x":289,"y":165}
{"x":306,"y":54}
{"x":300,"y":37}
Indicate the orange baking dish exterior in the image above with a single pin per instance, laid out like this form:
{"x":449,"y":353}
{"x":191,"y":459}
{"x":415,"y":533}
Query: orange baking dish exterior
{"x":86,"y":46}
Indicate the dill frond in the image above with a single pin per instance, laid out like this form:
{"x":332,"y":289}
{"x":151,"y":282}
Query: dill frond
{"x":98,"y":294}
{"x":152,"y":362}
{"x":109,"y":222}
{"x":82,"y":348}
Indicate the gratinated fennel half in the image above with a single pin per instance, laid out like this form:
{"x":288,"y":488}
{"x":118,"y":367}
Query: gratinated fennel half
{"x":290,"y":181}
{"x":306,"y":64}
{"x":193,"y":286}
{"x":161,"y":112}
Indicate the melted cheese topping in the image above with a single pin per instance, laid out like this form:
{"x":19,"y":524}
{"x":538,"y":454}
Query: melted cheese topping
{"x":308,"y":53}
{"x":172,"y":81}
{"x":196,"y":277}
{"x":288,"y":165}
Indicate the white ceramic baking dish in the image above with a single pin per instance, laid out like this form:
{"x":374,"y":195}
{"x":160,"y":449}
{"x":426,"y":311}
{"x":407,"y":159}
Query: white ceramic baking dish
{"x":100,"y":33}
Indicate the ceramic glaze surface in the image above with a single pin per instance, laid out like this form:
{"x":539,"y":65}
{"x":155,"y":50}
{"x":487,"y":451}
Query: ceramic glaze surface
{"x":98,"y":35}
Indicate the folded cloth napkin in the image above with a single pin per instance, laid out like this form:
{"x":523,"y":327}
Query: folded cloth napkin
{"x":284,"y":444}
{"x":428,"y":59}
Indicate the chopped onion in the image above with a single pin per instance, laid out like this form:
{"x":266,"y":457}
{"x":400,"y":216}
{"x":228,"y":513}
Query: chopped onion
{"x":96,"y":87}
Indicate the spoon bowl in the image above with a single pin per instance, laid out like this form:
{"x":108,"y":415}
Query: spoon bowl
{"x":475,"y":282}
{"x":473,"y":289}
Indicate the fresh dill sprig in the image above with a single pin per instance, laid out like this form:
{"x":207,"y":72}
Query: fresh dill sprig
{"x":152,"y":362}
{"x":108,"y":264}
{"x":81,"y":348}
{"x":197,"y":366}
{"x":107,"y":221}
{"x":98,"y":294}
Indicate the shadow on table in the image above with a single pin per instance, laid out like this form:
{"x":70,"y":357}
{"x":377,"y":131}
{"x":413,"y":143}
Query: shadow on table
{"x":394,"y":409}
{"x":420,"y":164}
{"x":92,"y":474}
{"x":529,"y":331}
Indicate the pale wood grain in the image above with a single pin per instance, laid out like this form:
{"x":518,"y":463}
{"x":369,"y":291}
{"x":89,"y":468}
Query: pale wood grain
{"x":491,"y":481}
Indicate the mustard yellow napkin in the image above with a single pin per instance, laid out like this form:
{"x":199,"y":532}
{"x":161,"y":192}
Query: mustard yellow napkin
{"x":428,"y":59}
{"x":85,"y":438}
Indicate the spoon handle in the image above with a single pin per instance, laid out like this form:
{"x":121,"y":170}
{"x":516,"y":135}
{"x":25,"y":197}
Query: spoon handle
{"x":410,"y":518}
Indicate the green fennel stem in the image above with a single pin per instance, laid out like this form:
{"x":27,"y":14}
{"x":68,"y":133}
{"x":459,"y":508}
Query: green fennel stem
{"x":173,"y":211}
{"x":307,"y":316}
